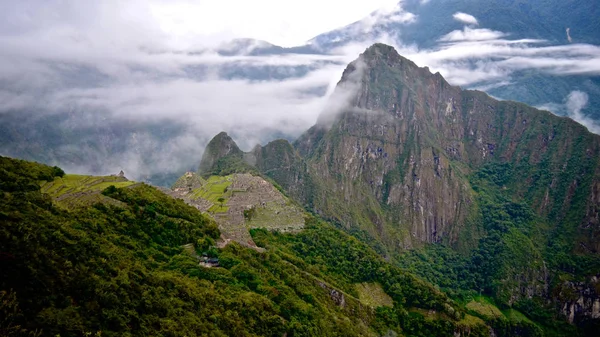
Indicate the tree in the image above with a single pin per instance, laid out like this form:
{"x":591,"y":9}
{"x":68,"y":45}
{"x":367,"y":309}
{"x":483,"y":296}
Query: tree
{"x":249,"y":213}
{"x":221,"y":200}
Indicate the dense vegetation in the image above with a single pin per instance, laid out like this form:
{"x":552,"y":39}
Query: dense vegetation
{"x":121,"y":270}
{"x":514,"y":246}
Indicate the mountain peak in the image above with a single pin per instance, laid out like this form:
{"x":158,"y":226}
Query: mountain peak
{"x":380,"y":52}
{"x":222,"y":145}
{"x":383,"y":80}
{"x":380,"y":49}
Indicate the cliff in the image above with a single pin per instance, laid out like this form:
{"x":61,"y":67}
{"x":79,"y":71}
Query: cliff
{"x":402,"y":159}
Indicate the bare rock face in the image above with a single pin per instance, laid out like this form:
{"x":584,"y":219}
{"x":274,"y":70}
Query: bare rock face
{"x":394,"y":156}
{"x":580,"y":300}
{"x":393,"y":153}
{"x":387,"y":149}
{"x":281,"y":162}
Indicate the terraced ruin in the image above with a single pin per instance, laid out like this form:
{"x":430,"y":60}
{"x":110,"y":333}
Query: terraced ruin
{"x":74,"y":190}
{"x":240,"y":202}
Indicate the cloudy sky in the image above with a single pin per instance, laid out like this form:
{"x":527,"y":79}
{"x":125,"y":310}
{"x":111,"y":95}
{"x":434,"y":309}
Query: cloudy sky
{"x":186,"y":23}
{"x":153,"y":62}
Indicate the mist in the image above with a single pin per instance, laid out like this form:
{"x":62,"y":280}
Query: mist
{"x":98,"y":88}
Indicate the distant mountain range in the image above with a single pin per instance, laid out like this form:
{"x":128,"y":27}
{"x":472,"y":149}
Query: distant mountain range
{"x":408,"y":162}
{"x":429,"y":210}
{"x":153,"y":122}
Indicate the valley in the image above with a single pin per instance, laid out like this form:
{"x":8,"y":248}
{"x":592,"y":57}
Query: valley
{"x":392,"y":202}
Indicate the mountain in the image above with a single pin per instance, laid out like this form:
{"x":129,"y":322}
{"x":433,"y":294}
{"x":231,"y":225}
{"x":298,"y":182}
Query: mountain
{"x":149,"y":112}
{"x":437,"y":211}
{"x":254,"y":47}
{"x":419,"y":169}
{"x":138,"y":262}
{"x":538,"y":30}
{"x":547,"y":20}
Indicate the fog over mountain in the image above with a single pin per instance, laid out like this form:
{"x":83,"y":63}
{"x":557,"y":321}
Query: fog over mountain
{"x":132,"y":85}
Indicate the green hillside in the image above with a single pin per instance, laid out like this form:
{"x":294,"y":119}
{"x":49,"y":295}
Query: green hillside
{"x":116,"y":269}
{"x":72,"y":190}
{"x":478,"y":196}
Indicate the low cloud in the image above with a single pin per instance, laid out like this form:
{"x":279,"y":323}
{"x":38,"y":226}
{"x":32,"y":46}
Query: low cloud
{"x":343,"y":93}
{"x":470,"y":34}
{"x":465,"y":18}
{"x":572,"y":106}
{"x":139,"y":100}
{"x":466,"y":62}
{"x":575,"y":102}
{"x":384,"y":16}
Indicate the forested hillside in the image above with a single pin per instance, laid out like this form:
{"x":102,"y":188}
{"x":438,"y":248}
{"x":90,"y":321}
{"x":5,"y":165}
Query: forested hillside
{"x":476,"y":195}
{"x":120,"y":268}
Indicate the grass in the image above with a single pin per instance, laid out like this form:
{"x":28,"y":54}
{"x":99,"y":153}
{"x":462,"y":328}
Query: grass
{"x":516,"y":316}
{"x":213,"y":189}
{"x":276,"y":216}
{"x":471,"y":321}
{"x":482,"y":307}
{"x":217,"y":208}
{"x":372,"y":294}
{"x":74,"y":190}
{"x":74,"y":183}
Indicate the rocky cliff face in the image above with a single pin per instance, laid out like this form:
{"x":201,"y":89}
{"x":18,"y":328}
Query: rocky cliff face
{"x":403,"y":145}
{"x":404,"y":158}
{"x":580,"y":300}
{"x":383,"y":150}
{"x":394,"y":154}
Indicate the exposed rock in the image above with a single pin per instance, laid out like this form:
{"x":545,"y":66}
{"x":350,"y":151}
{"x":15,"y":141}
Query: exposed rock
{"x":336,"y":296}
{"x":394,"y":154}
{"x":271,"y":209}
{"x":401,"y":152}
{"x":580,"y":300}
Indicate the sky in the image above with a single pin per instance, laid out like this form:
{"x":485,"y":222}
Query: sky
{"x":285,"y":23}
{"x":186,"y":23}
{"x":138,"y":63}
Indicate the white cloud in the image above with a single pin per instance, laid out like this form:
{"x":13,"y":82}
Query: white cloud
{"x":466,"y":62}
{"x":385,"y":15}
{"x":465,"y":18}
{"x":470,"y":34}
{"x":132,"y":62}
{"x":572,"y":107}
{"x":281,"y":22}
{"x":575,"y":102}
{"x":186,"y":23}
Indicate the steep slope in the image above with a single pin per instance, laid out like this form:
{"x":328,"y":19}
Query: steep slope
{"x":239,"y":202}
{"x":72,"y":190}
{"x":221,"y":152}
{"x":423,"y":24}
{"x":101,"y":138}
{"x":412,"y":159}
{"x":410,"y":140}
{"x":278,"y":160}
{"x":402,"y":159}
{"x":132,"y":268}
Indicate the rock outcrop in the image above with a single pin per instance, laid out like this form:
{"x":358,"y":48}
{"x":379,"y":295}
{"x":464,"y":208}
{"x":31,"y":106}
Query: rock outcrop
{"x":580,"y":300}
{"x":396,"y":156}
